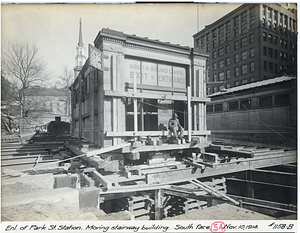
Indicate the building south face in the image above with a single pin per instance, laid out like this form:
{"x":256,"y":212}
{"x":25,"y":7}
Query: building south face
{"x":142,"y":83}
{"x":254,"y":42}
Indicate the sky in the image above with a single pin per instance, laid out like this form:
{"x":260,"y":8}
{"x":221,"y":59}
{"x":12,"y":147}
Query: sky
{"x":54,"y":28}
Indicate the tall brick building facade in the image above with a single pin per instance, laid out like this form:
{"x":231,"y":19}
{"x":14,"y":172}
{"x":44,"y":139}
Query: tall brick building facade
{"x":253,"y":42}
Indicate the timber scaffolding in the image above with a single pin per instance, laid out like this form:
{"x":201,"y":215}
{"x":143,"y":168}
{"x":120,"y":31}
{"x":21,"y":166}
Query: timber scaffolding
{"x":164,"y":180}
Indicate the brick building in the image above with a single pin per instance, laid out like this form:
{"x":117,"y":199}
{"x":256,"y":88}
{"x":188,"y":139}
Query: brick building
{"x":253,"y":42}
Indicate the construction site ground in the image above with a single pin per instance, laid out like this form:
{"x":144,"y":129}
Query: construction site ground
{"x":32,"y":198}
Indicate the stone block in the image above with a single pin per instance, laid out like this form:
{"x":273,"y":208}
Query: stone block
{"x":136,"y":144}
{"x":159,"y":142}
{"x":88,"y":197}
{"x":65,"y":180}
{"x":133,"y":156}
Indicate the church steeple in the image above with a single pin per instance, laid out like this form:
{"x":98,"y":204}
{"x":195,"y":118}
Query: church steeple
{"x":80,"y":43}
{"x":81,"y":53}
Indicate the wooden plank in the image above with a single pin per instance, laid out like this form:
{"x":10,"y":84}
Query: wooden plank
{"x":189,"y":111}
{"x":153,"y":96}
{"x":229,"y":152}
{"x":183,"y":175}
{"x":263,"y":183}
{"x":165,"y":147}
{"x":86,"y":180}
{"x":188,"y":195}
{"x":266,"y":204}
{"x":151,"y":133}
{"x":194,"y":164}
{"x":107,"y":149}
{"x":107,"y":184}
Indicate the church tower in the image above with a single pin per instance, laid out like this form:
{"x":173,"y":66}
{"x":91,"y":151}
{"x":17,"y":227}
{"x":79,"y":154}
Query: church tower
{"x":81,"y":53}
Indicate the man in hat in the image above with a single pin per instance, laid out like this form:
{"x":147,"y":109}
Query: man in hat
{"x":175,"y":127}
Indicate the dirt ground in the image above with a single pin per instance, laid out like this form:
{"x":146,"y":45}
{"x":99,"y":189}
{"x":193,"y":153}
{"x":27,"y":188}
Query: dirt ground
{"x":36,"y":206}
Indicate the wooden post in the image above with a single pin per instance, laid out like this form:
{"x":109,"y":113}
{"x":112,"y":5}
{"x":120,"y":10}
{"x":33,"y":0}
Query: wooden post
{"x":142,"y":114}
{"x":135,"y":116}
{"x":189,"y":108}
{"x":158,"y":204}
{"x":250,"y":188}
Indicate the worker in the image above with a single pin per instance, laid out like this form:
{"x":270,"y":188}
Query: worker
{"x":175,"y":127}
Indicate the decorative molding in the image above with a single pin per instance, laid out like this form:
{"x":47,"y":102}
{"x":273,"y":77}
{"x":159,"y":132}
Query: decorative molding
{"x":140,"y":47}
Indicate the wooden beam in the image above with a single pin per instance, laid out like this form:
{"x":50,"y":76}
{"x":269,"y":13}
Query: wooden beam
{"x":263,"y":183}
{"x":173,"y":176}
{"x":275,"y":206}
{"x":194,"y":164}
{"x":136,"y":95}
{"x":189,"y":111}
{"x":135,"y":110}
{"x":213,"y":192}
{"x":155,"y":88}
{"x":86,"y":180}
{"x":107,"y":184}
{"x":164,"y":147}
{"x":178,"y":193}
{"x":107,"y":149}
{"x":158,"y":204}
{"x":150,"y":133}
{"x":229,"y":152}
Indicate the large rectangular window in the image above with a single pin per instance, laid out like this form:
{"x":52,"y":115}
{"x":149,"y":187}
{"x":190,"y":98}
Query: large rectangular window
{"x":251,"y":52}
{"x":251,"y":39}
{"x":236,"y":45}
{"x":218,"y":107}
{"x":221,"y":63}
{"x":227,"y":48}
{"x":209,"y":108}
{"x":245,"y":104}
{"x":264,"y":36}
{"x":244,"y":55}
{"x":227,"y":61}
{"x":221,"y":76}
{"x":227,"y":74}
{"x":243,"y":41}
{"x":270,"y":38}
{"x":236,"y":58}
{"x":244,"y":69}
{"x":236,"y":71}
{"x":270,"y":52}
{"x":214,"y":54}
{"x":252,"y":67}
{"x":265,"y":51}
{"x":221,"y":52}
{"x":233,"y":105}
{"x":265,"y":101}
{"x":282,"y":99}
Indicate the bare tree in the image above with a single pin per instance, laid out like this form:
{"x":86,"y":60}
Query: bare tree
{"x":24,"y":68}
{"x":64,"y":82}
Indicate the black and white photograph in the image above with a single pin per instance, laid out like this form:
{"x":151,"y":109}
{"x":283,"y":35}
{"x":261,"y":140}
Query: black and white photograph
{"x":157,"y":117}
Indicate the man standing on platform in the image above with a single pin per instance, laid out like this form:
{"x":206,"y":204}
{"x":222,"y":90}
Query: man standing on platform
{"x":175,"y":127}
